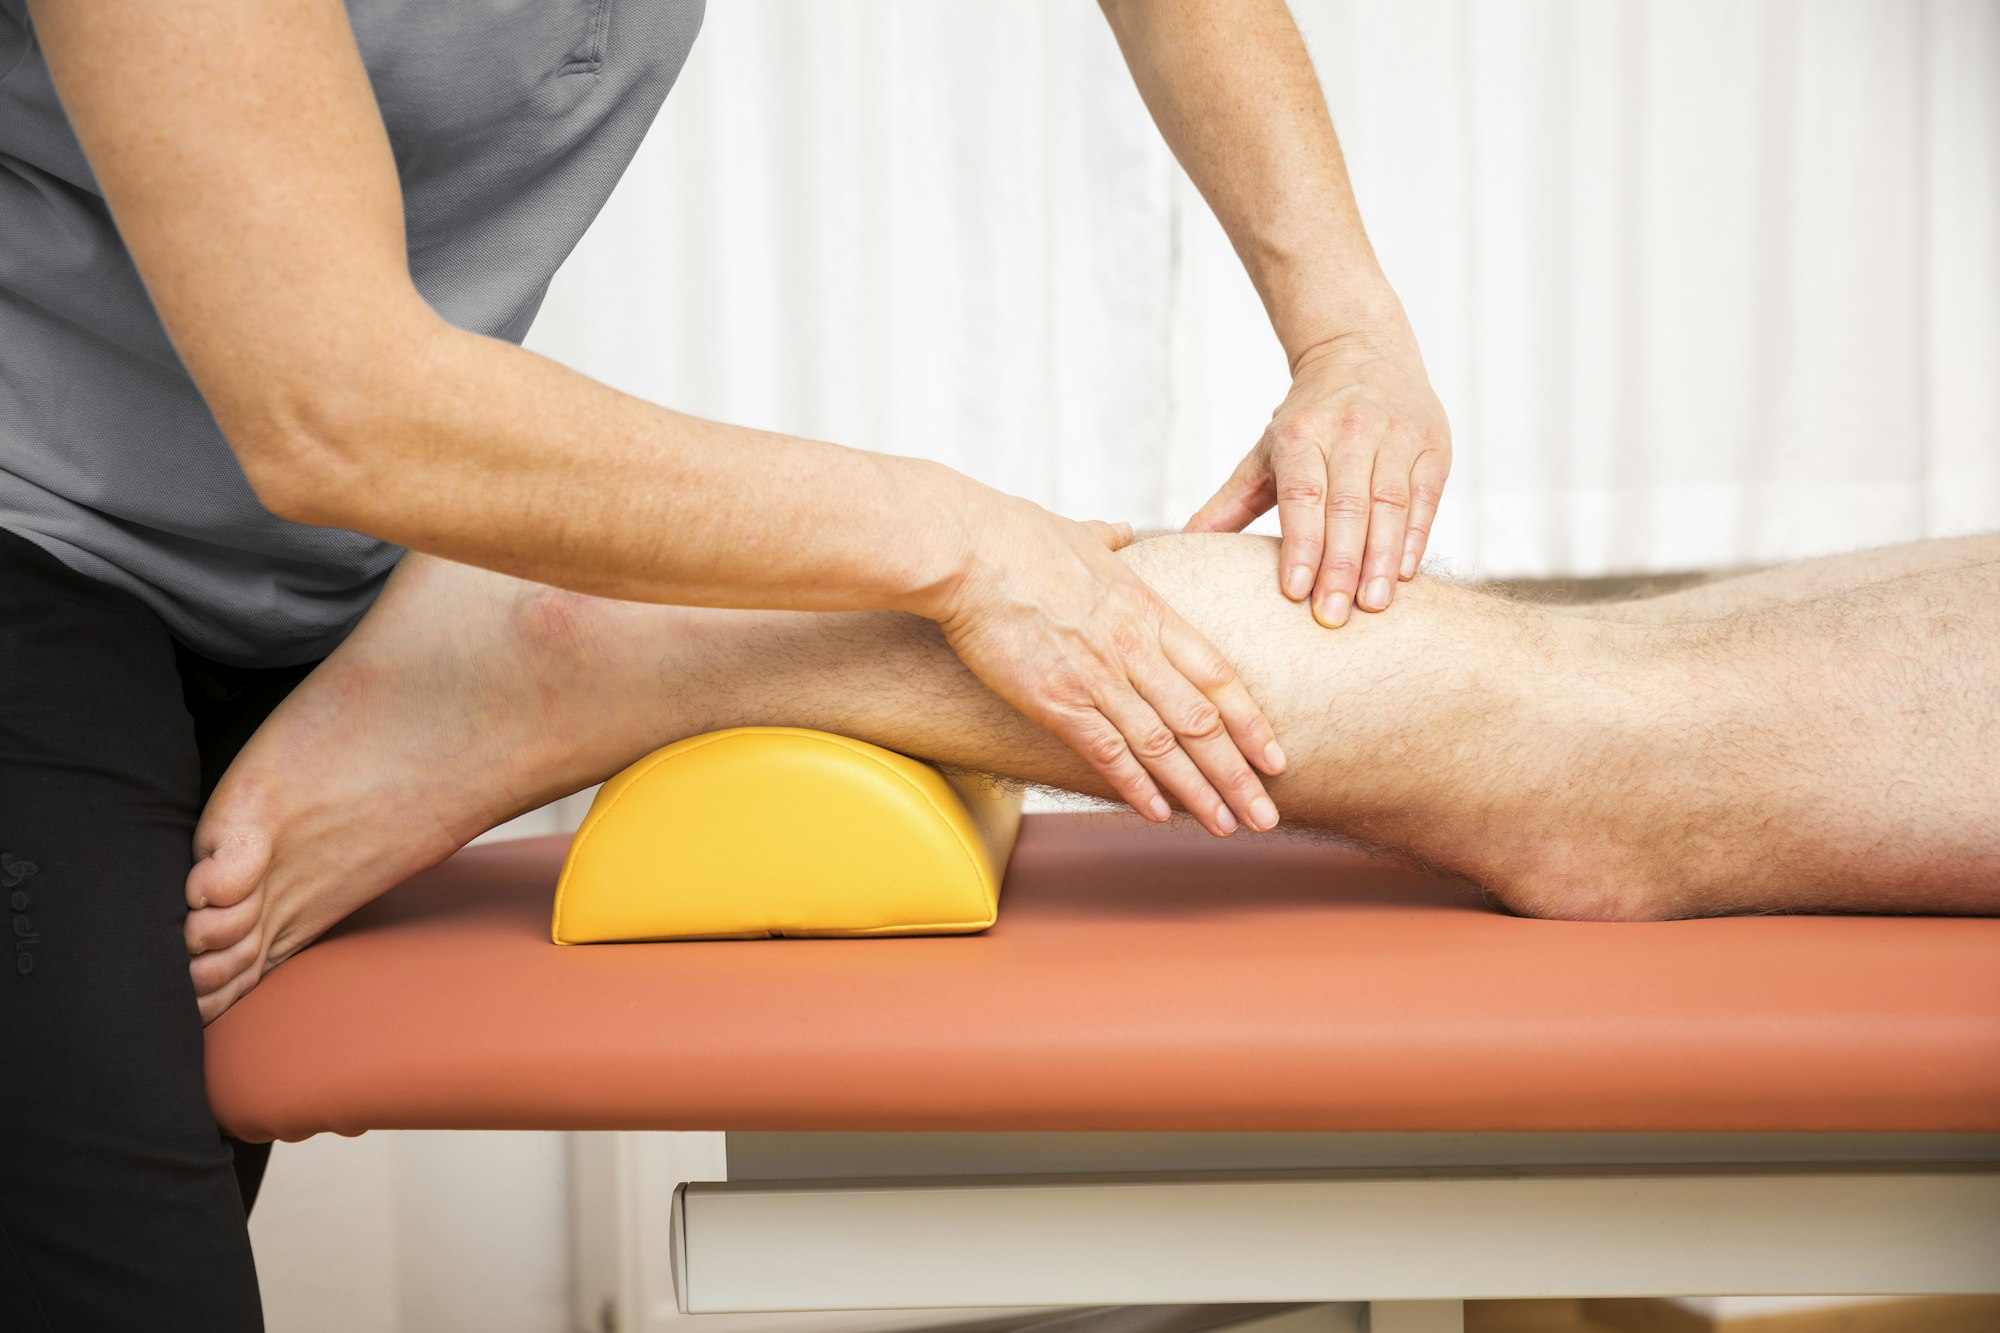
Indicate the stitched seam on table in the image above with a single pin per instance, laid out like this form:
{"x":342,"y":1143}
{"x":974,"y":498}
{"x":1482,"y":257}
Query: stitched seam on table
{"x":590,"y":824}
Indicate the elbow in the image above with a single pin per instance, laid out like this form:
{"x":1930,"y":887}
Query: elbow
{"x":312,"y":445}
{"x":290,"y":478}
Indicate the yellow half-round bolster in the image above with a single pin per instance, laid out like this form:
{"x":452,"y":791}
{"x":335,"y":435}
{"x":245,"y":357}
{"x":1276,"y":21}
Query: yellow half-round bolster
{"x":762,"y":831}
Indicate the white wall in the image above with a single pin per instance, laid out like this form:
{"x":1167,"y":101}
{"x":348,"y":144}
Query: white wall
{"x":324,"y":1230}
{"x":1700,"y":283}
{"x":426,"y":1232}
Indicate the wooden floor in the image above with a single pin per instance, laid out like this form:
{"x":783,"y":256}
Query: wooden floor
{"x":1942,"y":1314}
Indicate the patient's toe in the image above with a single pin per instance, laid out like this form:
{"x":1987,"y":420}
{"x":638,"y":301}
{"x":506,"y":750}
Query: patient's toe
{"x":215,"y":970}
{"x":208,"y":929}
{"x":228,"y":874}
{"x":215,"y":1002}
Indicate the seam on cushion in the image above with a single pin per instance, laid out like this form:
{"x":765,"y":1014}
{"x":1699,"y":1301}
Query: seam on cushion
{"x":868,"y":932}
{"x":971,"y":857}
{"x":820,"y":738}
{"x":590,"y":821}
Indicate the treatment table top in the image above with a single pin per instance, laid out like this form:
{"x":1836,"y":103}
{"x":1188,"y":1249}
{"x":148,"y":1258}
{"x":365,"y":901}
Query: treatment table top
{"x":1140,"y":978}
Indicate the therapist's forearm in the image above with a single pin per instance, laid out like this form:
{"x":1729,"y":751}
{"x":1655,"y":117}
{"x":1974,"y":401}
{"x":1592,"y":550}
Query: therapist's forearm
{"x":1234,"y":93}
{"x":485,"y":453}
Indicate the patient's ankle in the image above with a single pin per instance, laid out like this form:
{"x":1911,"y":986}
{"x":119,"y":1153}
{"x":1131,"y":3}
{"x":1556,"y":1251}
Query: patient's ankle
{"x":1578,"y":817}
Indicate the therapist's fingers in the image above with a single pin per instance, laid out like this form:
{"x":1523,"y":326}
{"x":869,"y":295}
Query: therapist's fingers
{"x":1115,"y":536}
{"x":1210,"y":672}
{"x":1349,"y":473}
{"x":1179,"y":710}
{"x":1204,"y":736}
{"x":1068,"y":634}
{"x":1159,"y":747}
{"x":1388,"y":518}
{"x":1427,"y":479}
{"x":1299,"y":484}
{"x":1242,"y":499}
{"x":1103,"y":746}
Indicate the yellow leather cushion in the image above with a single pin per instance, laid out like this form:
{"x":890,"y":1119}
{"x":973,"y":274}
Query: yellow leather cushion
{"x":765,"y":831}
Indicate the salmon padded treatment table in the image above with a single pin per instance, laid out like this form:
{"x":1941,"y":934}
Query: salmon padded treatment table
{"x":1181,"y":1069}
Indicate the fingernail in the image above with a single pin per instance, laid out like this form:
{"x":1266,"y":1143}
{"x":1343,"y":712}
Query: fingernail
{"x":1159,"y":809}
{"x":1225,"y":821}
{"x":1263,"y":814}
{"x":1409,"y":564}
{"x":1274,"y":758}
{"x":1332,"y":612}
{"x":1377,"y":595}
{"x":1298,"y":582}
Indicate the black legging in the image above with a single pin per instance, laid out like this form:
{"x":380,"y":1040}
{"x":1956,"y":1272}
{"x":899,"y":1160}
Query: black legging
{"x":121,"y":1204}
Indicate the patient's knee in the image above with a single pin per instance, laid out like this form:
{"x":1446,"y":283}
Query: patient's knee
{"x":1215,"y":580}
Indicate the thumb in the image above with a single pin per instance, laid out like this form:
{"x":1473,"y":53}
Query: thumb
{"x":1115,"y":536}
{"x":1247,"y":494}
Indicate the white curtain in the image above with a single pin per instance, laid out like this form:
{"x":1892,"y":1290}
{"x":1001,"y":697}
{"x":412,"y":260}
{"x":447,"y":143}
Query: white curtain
{"x":1700,"y":282}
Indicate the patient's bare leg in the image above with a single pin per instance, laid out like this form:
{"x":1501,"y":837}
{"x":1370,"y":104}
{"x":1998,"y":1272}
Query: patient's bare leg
{"x":1828,"y":755}
{"x":1823,"y":756}
{"x":1802,"y":581}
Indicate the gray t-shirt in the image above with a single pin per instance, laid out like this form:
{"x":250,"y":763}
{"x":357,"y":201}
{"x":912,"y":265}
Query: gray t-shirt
{"x":510,"y":119}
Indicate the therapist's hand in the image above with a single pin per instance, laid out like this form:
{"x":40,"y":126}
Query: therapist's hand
{"x":1060,"y":628}
{"x":1355,"y":459}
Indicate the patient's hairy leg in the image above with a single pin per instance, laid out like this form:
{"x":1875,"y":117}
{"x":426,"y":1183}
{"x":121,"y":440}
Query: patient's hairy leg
{"x":1870,"y":722}
{"x":1800,"y":581}
{"x":465,"y":697}
{"x":1828,"y":755}
{"x":1820,"y":757}
{"x":1450,"y":764}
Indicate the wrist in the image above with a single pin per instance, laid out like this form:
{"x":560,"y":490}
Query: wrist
{"x":947,"y":542}
{"x":1369,"y":332}
{"x":1337,"y":308}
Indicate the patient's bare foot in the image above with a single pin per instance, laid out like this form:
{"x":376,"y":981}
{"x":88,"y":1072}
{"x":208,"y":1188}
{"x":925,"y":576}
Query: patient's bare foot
{"x":462,"y":699}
